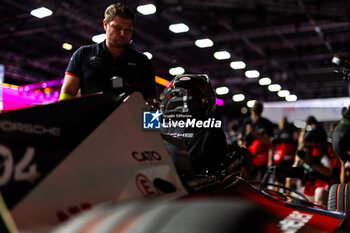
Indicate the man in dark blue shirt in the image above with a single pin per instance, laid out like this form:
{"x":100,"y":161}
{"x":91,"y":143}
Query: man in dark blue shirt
{"x":92,"y":67}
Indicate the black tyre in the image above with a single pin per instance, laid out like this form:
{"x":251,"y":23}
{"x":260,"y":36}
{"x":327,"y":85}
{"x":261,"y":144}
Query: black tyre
{"x":339,"y":198}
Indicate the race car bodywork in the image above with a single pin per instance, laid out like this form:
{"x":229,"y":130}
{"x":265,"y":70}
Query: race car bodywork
{"x":63,"y":159}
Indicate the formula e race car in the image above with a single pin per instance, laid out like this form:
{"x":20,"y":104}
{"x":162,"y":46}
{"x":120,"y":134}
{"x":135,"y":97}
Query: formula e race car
{"x":89,"y":165}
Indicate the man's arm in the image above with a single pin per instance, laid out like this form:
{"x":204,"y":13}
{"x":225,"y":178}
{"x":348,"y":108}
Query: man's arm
{"x":342,"y":172}
{"x":70,"y":87}
{"x":264,"y":138}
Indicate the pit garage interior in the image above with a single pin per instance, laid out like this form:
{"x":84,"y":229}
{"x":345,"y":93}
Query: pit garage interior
{"x":278,"y":52}
{"x":288,"y":41}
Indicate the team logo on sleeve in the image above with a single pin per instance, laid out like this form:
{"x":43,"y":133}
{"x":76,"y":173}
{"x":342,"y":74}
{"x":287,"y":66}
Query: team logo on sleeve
{"x":151,"y":119}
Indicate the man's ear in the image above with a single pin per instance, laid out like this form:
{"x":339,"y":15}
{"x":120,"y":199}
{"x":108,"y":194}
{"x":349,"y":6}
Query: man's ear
{"x":105,"y":24}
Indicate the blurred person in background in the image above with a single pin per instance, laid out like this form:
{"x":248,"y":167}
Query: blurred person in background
{"x":257,"y":135}
{"x":284,"y":146}
{"x":312,"y":156}
{"x":341,"y":146}
{"x":335,"y":161}
{"x":232,"y":134}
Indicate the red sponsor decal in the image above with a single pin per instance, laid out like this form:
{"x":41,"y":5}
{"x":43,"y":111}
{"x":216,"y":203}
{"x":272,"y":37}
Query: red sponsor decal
{"x":145,"y":186}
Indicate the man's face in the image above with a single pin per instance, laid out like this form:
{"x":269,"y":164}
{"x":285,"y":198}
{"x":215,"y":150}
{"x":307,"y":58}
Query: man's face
{"x":254,"y":116}
{"x":118,"y":31}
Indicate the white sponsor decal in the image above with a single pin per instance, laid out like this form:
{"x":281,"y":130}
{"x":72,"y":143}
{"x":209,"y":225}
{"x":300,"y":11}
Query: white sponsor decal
{"x":12,"y":126}
{"x":24,"y":170}
{"x":293,"y":222}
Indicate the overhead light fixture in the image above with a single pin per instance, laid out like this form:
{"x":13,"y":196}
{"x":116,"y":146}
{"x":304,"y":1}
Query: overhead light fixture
{"x":251,"y":103}
{"x":265,"y":81}
{"x":222,"y":55}
{"x":274,"y":87}
{"x":204,"y":43}
{"x":177,"y":71}
{"x":147,"y":9}
{"x":291,"y":98}
{"x":99,"y":38}
{"x":252,"y":74}
{"x":237,"y":65}
{"x":244,"y":110}
{"x":41,"y":12}
{"x":283,"y":93}
{"x":179,"y":28}
{"x":67,"y":46}
{"x":222,"y":90}
{"x":238,"y":97}
{"x":149,"y":55}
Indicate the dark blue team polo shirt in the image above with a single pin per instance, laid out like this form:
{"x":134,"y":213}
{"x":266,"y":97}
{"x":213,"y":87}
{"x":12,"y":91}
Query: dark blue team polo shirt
{"x":95,"y":66}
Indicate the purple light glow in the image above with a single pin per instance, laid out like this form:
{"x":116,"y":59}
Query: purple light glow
{"x":44,"y":85}
{"x":12,"y":100}
{"x":219,"y":102}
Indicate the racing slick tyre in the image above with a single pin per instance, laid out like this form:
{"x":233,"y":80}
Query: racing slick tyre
{"x":339,"y":198}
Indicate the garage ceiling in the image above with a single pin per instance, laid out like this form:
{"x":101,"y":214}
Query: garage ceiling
{"x":291,"y":42}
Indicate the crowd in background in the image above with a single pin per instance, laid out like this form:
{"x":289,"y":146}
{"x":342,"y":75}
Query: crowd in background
{"x":285,"y":145}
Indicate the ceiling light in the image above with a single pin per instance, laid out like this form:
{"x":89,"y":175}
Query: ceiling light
{"x":176,"y":70}
{"x":222,"y":55}
{"x":244,"y":110}
{"x":252,"y":74}
{"x":251,"y":103}
{"x":204,"y":43}
{"x":291,"y":98}
{"x":265,"y":81}
{"x":179,"y":28}
{"x":67,"y":46}
{"x":237,"y":65}
{"x":147,"y":9}
{"x":149,"y":55}
{"x":99,"y":38}
{"x":283,"y":93}
{"x":274,"y":87}
{"x":222,"y":90}
{"x":41,"y":12}
{"x":238,"y":97}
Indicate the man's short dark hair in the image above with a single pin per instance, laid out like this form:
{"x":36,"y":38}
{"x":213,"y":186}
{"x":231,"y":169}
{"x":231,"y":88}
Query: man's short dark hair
{"x":118,"y":9}
{"x":311,"y":120}
{"x":258,"y":107}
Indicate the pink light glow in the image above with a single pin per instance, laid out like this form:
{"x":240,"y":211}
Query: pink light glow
{"x":219,"y":102}
{"x":12,"y":99}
